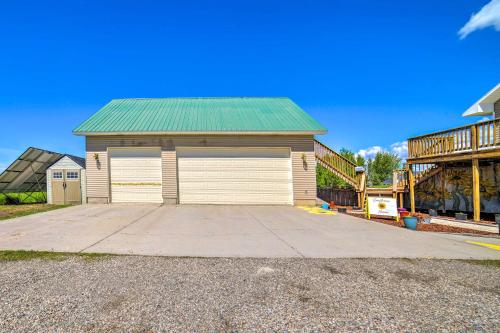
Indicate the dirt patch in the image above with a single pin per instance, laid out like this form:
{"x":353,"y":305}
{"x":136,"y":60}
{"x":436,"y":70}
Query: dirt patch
{"x":446,"y":228}
{"x":333,"y":270}
{"x":427,"y":227}
{"x":11,"y":211}
{"x":407,"y":275}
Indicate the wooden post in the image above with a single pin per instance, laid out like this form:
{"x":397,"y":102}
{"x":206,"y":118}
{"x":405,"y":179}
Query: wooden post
{"x":475,"y":190}
{"x":443,"y":186}
{"x":411,"y":180}
{"x":401,"y":203}
{"x":473,"y":137}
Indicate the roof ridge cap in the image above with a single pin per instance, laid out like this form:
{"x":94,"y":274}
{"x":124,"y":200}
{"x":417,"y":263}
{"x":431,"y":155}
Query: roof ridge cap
{"x":223,"y":97}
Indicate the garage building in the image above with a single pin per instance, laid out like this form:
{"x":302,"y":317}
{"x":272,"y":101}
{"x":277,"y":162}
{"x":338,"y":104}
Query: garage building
{"x":201,"y":151}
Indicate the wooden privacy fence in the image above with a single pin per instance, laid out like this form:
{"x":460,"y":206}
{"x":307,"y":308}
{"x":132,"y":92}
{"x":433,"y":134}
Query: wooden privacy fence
{"x":341,"y":197}
{"x":473,"y":137}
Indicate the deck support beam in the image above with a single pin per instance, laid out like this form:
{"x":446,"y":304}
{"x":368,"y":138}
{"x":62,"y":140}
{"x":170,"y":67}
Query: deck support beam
{"x":476,"y":200}
{"x":411,"y":181}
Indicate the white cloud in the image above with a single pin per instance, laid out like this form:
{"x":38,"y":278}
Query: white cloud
{"x":483,"y":119}
{"x":400,"y":149}
{"x":370,"y":152}
{"x":488,"y":16}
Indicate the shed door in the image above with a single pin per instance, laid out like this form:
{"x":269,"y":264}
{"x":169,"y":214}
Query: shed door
{"x":135,"y":175}
{"x":58,"y":195}
{"x":66,"y":187}
{"x":235,"y":176}
{"x":73,"y":191}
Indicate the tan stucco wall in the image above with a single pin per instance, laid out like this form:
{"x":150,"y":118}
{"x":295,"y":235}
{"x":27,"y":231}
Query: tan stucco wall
{"x":304,"y":174}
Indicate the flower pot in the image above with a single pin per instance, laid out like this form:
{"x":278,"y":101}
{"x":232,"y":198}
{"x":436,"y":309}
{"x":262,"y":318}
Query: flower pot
{"x":410,"y":222}
{"x":426,"y":220}
{"x":403,"y":214}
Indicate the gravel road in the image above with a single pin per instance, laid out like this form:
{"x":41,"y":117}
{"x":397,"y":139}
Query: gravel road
{"x":144,"y":294}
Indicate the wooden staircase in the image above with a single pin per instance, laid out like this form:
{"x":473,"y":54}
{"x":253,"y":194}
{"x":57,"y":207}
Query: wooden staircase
{"x":428,"y":172}
{"x":346,"y":170}
{"x":421,"y":172}
{"x":336,"y":164}
{"x":343,"y":168}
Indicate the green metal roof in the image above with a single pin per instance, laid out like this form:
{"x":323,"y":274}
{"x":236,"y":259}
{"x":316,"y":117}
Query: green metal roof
{"x":200,"y":115}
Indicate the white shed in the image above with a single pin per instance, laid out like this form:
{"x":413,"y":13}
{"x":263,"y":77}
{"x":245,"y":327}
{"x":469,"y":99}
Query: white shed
{"x":66,"y":181}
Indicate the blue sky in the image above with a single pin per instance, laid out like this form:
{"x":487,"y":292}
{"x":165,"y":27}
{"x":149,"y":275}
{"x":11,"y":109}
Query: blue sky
{"x":373,"y":72}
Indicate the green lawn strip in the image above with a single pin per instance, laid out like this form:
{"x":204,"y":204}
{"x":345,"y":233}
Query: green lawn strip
{"x":482,"y":262}
{"x":35,"y":197}
{"x":485,"y":262}
{"x":12,"y":211}
{"x":381,"y":186}
{"x":18,"y":255}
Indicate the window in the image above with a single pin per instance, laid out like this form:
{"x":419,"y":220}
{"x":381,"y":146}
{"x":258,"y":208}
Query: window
{"x":71,"y":175}
{"x":57,"y":174}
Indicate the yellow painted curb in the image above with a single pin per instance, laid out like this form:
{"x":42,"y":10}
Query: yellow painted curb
{"x":488,"y":245}
{"x":317,"y":210}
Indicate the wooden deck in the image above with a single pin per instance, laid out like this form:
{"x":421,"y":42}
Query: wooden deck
{"x":428,"y":153}
{"x":479,"y":140}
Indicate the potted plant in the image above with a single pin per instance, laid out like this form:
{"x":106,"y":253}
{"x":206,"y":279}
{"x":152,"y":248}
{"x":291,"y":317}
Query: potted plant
{"x":410,"y":221}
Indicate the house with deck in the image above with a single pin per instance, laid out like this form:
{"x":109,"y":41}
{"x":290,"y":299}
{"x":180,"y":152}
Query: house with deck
{"x":458,"y":169}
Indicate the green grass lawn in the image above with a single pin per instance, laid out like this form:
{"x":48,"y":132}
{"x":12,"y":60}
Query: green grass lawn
{"x":11,"y":211}
{"x":381,"y":186}
{"x":17,"y":255}
{"x":36,"y":197}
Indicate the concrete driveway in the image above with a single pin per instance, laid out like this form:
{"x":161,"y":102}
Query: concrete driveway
{"x":227,"y":231}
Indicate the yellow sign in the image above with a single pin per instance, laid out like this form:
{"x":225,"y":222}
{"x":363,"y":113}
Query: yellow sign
{"x":382,"y":206}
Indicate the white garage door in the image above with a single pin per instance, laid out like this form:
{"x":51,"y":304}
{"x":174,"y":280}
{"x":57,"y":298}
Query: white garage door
{"x":135,"y":175}
{"x":235,"y":176}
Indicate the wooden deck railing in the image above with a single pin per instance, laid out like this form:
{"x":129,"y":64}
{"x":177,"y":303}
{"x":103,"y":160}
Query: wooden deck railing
{"x":399,"y":179}
{"x":421,"y":173}
{"x":483,"y":135}
{"x":336,"y":161}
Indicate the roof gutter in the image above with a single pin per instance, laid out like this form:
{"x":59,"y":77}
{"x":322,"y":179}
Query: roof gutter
{"x":319,"y":132}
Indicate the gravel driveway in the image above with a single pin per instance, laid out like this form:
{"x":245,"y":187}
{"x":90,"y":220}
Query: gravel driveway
{"x":138,"y":294}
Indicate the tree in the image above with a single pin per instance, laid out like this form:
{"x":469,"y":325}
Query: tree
{"x":380,"y":168}
{"x":325,"y":178}
{"x":354,"y":158}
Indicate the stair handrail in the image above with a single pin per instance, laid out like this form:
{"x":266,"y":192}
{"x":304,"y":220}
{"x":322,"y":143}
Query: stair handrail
{"x":348,"y":172}
{"x":334,"y":152}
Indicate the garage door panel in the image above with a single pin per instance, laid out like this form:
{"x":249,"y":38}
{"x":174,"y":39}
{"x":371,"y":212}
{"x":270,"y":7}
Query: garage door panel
{"x":235,"y":163}
{"x":124,"y":193}
{"x":249,"y":152}
{"x":246,"y":199}
{"x":275,"y":187}
{"x":136,"y":175}
{"x":238,"y":176}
